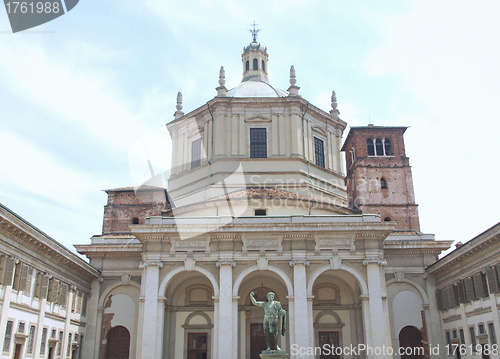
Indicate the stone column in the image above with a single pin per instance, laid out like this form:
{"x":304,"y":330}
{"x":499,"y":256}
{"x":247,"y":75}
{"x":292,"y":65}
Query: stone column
{"x":150,"y":332}
{"x":435,"y":334}
{"x":92,"y":341}
{"x":377,"y":316}
{"x":160,"y":324}
{"x":365,"y":307}
{"x":227,"y":338}
{"x":300,"y":318}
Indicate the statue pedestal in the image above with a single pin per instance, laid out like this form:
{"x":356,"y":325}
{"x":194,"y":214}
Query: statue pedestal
{"x":274,"y":354}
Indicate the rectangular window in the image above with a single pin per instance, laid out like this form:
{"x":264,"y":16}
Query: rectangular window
{"x":319,"y":152}
{"x":44,"y":341}
{"x":481,"y":328}
{"x":69,"y":344}
{"x":197,"y":345}
{"x":8,"y":336}
{"x":81,"y":346}
{"x":59,"y":344}
{"x":473,"y":338}
{"x":20,"y":328}
{"x":462,"y":336}
{"x":196,"y":153}
{"x":258,"y":143}
{"x":448,"y":339}
{"x":260,"y":212}
{"x":31,"y":338}
{"x":491,"y":329}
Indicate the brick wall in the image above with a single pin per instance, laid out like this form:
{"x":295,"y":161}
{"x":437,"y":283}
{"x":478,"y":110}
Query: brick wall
{"x":125,"y":204}
{"x":366,"y":173}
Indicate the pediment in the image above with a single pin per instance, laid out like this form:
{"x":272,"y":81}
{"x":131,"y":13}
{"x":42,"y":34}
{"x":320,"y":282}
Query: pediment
{"x":319,"y":130}
{"x":257,"y":119}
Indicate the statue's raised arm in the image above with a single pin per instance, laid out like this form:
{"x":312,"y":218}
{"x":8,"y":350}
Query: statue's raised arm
{"x":255,"y":302}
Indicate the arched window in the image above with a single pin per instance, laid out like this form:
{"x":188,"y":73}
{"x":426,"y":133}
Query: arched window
{"x":135,"y":220}
{"x":379,"y":147}
{"x":387,"y":219}
{"x":263,"y":66}
{"x":383,"y":183}
{"x":387,"y":147}
{"x":255,"y":64}
{"x":371,"y":147}
{"x":247,"y":65}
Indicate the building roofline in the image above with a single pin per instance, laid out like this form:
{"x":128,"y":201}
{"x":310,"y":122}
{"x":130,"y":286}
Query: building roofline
{"x":464,"y":248}
{"x":77,"y":260}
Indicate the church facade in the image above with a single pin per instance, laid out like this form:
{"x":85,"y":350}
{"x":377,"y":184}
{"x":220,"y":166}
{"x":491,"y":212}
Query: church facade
{"x":263,"y":196}
{"x":258,"y":201}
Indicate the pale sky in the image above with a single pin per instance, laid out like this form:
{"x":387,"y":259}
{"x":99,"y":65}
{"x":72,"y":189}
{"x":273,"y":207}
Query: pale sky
{"x":81,"y":94}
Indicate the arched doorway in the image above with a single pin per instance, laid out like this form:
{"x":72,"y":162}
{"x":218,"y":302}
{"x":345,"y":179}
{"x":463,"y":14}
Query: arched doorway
{"x":252,"y":339}
{"x":118,"y":343}
{"x":410,"y":337}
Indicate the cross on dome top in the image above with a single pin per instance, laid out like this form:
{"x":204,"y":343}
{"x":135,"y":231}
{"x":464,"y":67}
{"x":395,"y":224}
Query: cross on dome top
{"x":254,"y":31}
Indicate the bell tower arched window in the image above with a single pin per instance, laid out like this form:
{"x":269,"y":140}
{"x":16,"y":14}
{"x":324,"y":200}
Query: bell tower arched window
{"x":247,"y":65}
{"x":379,"y":147}
{"x":255,"y":64}
{"x":387,"y":147}
{"x":371,"y":147}
{"x":263,"y":66}
{"x":383,"y":183}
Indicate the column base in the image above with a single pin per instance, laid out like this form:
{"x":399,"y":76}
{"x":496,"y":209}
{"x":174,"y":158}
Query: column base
{"x":274,"y":354}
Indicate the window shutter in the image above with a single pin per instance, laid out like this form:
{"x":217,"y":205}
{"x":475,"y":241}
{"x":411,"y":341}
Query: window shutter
{"x":29,"y":279}
{"x":54,"y":293}
{"x":45,"y":287}
{"x":2,"y":268}
{"x":79,"y":302}
{"x":63,"y":295}
{"x":73,"y":304}
{"x":24,"y":275}
{"x":478,"y":285}
{"x":461,"y":291}
{"x":451,"y":298}
{"x":486,"y":292}
{"x":439,"y":299}
{"x":84,"y":304}
{"x":469,"y":289}
{"x":491,"y":274}
{"x":446,"y":302}
{"x":9,"y":271}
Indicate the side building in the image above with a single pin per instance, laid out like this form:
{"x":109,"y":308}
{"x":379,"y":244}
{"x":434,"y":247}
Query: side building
{"x":44,"y":292}
{"x":468,"y":295}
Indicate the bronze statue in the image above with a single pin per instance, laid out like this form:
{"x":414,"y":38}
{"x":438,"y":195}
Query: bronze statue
{"x":272,"y":312}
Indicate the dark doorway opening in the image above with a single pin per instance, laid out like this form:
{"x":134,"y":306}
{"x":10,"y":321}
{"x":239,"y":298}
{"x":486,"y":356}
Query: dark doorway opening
{"x":118,"y":343}
{"x":410,"y":339}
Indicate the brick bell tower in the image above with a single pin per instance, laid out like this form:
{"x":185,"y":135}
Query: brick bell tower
{"x":378,"y":176}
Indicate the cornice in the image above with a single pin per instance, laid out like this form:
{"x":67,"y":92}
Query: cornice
{"x":46,"y":246}
{"x":438,"y":267}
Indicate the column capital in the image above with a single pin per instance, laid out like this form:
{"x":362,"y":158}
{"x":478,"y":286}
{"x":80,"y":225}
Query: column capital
{"x":304,"y":261}
{"x":224,"y":262}
{"x":380,"y":262}
{"x":151,"y":263}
